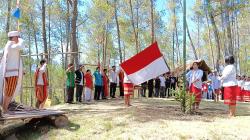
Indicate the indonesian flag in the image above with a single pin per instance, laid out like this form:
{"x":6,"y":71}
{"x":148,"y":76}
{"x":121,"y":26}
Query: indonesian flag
{"x":146,"y":65}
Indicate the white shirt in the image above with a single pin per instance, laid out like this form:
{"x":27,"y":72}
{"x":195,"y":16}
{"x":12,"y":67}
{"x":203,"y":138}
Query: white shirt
{"x":40,"y":75}
{"x":126,"y":80}
{"x":81,"y":82}
{"x":228,"y":77}
{"x":13,"y":57}
{"x":163,"y":80}
{"x":194,"y":75}
{"x":247,"y":86}
{"x":113,"y":77}
{"x":240,"y":83}
{"x":215,"y":82}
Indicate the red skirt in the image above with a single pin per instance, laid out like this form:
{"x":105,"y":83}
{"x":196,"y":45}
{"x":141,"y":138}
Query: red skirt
{"x":239,"y":94}
{"x":128,"y":89}
{"x":196,"y":92}
{"x":246,"y":95}
{"x":230,"y":95}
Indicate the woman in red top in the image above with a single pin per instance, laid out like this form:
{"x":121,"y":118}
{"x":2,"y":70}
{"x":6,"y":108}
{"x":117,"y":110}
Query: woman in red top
{"x":105,"y":84}
{"x":88,"y":85}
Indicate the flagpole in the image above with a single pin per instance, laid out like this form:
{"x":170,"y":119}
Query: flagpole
{"x":18,"y":24}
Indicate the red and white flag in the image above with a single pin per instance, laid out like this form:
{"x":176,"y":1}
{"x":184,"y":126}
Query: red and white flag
{"x":146,"y":65}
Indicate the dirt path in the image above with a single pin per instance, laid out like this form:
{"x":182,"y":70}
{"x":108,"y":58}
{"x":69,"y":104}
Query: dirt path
{"x":146,"y":119}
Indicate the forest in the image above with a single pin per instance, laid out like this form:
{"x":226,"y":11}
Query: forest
{"x":108,"y":32}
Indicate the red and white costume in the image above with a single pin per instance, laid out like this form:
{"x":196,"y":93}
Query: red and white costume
{"x":230,"y":84}
{"x":195,"y":83}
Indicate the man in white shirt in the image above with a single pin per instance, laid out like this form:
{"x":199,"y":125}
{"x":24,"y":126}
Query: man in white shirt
{"x":11,"y":69}
{"x":162,"y":86}
{"x":113,"y":81}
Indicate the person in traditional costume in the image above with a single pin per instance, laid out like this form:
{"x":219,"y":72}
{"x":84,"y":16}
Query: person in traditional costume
{"x":41,"y":84}
{"x":105,"y":79}
{"x":88,"y":85}
{"x":70,"y":83}
{"x":121,"y":77}
{"x":230,"y":84}
{"x":246,"y":90}
{"x":11,"y":70}
{"x":128,"y":90}
{"x":204,"y":90}
{"x":79,"y":82}
{"x":194,"y":78}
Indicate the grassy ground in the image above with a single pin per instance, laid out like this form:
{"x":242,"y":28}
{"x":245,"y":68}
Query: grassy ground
{"x":146,"y":119}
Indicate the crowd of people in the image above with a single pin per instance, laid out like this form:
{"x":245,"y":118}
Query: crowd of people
{"x":226,"y":86}
{"x":103,"y":83}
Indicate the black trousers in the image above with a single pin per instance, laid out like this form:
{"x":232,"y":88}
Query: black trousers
{"x":79,"y":89}
{"x":150,"y":91}
{"x":112,"y":89}
{"x":121,"y":89}
{"x":98,"y":90}
{"x":70,"y":94}
{"x":167,"y":91}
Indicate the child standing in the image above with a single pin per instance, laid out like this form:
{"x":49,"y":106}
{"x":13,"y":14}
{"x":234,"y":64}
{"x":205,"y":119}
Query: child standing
{"x":128,"y":90}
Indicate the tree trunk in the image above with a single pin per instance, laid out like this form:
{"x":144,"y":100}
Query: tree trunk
{"x":35,"y":38}
{"x":152,"y":21}
{"x":74,"y":47}
{"x":8,"y":17}
{"x":173,"y":48}
{"x":216,"y":35}
{"x":189,"y":36}
{"x":210,"y":41}
{"x":134,"y":28}
{"x":118,"y":32}
{"x":67,"y":34}
{"x":229,"y":36}
{"x":44,"y":30}
{"x":30,"y":74}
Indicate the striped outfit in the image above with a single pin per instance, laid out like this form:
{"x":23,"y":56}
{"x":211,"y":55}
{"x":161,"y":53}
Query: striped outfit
{"x":128,"y":86}
{"x":10,"y":85}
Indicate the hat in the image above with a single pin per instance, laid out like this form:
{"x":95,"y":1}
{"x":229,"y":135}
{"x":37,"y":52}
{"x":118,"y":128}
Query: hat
{"x":13,"y":34}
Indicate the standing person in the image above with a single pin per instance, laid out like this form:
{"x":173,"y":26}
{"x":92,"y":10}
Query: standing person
{"x":157,"y":86}
{"x":150,"y":88}
{"x":173,"y":81}
{"x":246,"y":90}
{"x":41,"y":83}
{"x":88,"y":85}
{"x":204,"y":90}
{"x":167,"y":83}
{"x":162,"y":86}
{"x":216,"y":85}
{"x":121,"y":77}
{"x":105,"y":84}
{"x":70,"y":82}
{"x":194,"y":77}
{"x":79,"y":81}
{"x":240,"y":91}
{"x":210,"y":90}
{"x":229,"y":83}
{"x":11,"y":70}
{"x":144,"y":88}
{"x":113,"y":81}
{"x":98,"y":83}
{"x":128,"y":90}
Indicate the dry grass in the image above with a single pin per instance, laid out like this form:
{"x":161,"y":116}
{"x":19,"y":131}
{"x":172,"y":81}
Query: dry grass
{"x":146,"y":119}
